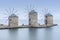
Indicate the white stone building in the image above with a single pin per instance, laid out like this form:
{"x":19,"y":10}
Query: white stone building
{"x":48,"y":19}
{"x":33,"y":18}
{"x":13,"y":20}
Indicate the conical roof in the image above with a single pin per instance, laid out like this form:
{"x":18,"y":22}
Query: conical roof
{"x":32,"y":11}
{"x":13,"y":15}
{"x":48,"y":14}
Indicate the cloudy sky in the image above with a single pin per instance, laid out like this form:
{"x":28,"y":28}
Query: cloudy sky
{"x":23,"y":6}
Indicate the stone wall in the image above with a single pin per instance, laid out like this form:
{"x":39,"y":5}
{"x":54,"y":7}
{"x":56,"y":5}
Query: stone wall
{"x":13,"y":22}
{"x":49,"y":20}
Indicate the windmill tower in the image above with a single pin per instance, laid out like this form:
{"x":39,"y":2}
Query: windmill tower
{"x":12,"y":19}
{"x":33,"y":18}
{"x":48,"y":19}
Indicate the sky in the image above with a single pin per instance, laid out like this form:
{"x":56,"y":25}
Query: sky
{"x":24,"y":6}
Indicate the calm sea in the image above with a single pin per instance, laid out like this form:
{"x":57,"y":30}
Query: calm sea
{"x":32,"y":33}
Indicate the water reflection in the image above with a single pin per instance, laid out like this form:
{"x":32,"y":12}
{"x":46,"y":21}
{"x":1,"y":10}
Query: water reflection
{"x":13,"y":34}
{"x":48,"y":34}
{"x":32,"y":34}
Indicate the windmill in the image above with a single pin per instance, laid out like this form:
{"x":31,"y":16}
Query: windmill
{"x":10,"y":11}
{"x":27,"y":10}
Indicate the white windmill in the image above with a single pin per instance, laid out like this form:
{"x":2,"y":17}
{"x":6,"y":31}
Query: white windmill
{"x":12,"y":19}
{"x":27,"y":10}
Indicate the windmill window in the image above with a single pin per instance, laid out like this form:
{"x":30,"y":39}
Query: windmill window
{"x":30,"y":19}
{"x":45,"y":21}
{"x":1,"y":24}
{"x":10,"y":19}
{"x":29,"y":24}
